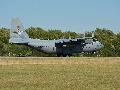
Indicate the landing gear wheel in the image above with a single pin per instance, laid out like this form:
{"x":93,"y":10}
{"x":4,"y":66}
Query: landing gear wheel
{"x":64,"y":55}
{"x":93,"y":52}
{"x":58,"y":55}
{"x":69,"y":55}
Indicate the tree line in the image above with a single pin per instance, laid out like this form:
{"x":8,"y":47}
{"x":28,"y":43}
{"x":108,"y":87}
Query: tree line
{"x":109,"y":39}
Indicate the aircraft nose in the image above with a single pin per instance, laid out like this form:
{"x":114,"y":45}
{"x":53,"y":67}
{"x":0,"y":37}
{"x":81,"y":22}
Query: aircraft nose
{"x":99,"y":45}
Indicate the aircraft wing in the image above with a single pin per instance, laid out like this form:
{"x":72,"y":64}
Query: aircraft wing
{"x":69,"y":42}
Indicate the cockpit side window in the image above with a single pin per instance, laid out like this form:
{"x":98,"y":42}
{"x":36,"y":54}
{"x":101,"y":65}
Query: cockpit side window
{"x":94,"y":39}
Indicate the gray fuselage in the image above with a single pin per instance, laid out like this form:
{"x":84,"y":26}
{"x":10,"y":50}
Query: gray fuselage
{"x":49,"y":46}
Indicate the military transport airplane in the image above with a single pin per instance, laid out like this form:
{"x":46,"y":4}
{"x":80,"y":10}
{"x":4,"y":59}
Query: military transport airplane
{"x":62,"y":47}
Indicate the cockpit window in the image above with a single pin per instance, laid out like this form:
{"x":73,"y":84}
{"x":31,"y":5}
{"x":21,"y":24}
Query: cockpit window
{"x":94,"y":39}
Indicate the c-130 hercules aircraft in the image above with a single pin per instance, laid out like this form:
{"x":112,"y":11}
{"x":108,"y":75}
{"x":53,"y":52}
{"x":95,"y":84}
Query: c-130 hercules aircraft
{"x":61,"y":47}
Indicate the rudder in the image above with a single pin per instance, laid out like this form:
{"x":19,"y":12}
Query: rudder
{"x":17,"y":32}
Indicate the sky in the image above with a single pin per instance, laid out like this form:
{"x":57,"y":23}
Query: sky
{"x":66,"y":15}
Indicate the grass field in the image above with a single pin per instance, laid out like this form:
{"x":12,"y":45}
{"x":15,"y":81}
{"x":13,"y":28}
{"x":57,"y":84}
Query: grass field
{"x":59,"y":73}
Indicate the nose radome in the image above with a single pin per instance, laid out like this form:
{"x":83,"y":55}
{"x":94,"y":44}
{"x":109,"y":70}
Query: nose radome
{"x":99,"y":45}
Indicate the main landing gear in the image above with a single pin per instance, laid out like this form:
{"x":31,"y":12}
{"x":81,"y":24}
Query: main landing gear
{"x":64,"y":55}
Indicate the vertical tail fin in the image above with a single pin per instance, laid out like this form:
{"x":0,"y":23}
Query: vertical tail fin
{"x":17,"y":32}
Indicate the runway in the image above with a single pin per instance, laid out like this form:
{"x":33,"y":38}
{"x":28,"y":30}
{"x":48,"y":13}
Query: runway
{"x":57,"y":60}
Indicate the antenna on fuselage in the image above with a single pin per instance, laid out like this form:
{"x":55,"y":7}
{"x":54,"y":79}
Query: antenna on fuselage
{"x":93,"y":34}
{"x":84,"y":35}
